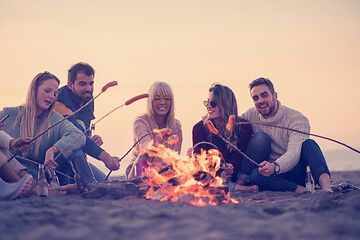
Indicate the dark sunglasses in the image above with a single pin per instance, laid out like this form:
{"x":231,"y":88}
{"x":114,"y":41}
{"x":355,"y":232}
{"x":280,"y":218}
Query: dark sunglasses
{"x":157,"y":100}
{"x":212,"y":103}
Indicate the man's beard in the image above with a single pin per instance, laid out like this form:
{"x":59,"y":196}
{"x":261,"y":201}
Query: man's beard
{"x":87,"y":98}
{"x":83,"y":98}
{"x":271,"y":109}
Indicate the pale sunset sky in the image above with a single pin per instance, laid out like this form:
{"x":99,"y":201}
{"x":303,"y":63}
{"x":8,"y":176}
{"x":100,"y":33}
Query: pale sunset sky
{"x":309,"y":49}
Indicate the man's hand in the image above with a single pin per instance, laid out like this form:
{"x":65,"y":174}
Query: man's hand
{"x":20,"y":144}
{"x":112,"y":163}
{"x":97,"y":139}
{"x":1,"y":125}
{"x":266,"y":168}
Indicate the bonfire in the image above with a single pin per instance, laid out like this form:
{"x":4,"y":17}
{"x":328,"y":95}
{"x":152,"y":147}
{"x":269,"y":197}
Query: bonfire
{"x":175,"y":178}
{"x":183,"y":178}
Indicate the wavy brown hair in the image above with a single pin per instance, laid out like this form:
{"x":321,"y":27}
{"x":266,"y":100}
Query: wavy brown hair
{"x":225,"y":99}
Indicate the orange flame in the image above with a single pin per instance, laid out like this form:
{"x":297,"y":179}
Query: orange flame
{"x":162,"y":132}
{"x":173,"y":139}
{"x":185,"y":179}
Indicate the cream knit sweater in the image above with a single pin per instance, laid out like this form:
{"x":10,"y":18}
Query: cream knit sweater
{"x":5,"y":153}
{"x":285,"y":144}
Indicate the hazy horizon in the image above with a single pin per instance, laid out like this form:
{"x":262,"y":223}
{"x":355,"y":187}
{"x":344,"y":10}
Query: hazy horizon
{"x":309,"y":49}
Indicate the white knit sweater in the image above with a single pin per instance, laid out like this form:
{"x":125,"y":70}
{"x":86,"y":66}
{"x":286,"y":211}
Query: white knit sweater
{"x":4,"y":146}
{"x":285,"y":144}
{"x":5,"y":153}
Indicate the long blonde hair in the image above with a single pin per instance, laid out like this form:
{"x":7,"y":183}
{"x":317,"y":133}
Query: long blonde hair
{"x":161,"y":88}
{"x":28,"y":112}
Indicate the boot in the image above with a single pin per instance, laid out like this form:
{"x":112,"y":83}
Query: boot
{"x":83,"y":170}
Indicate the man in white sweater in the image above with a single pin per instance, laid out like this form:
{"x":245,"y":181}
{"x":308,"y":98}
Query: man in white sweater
{"x":285,"y":169}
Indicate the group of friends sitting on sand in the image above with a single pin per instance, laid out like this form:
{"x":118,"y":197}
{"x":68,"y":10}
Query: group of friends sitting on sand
{"x":53,"y":128}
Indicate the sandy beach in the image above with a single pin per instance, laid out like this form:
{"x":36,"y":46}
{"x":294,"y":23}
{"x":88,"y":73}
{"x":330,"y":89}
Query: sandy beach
{"x":263,"y":215}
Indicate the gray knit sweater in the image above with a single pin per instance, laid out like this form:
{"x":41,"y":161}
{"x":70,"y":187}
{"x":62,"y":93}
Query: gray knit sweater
{"x":285,"y":144}
{"x":60,"y":135}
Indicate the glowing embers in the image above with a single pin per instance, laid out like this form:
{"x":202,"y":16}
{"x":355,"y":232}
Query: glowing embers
{"x":172,"y":177}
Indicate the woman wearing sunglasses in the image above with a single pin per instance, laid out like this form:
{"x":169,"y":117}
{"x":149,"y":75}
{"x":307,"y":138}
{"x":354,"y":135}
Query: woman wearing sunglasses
{"x":34,"y":117}
{"x":221,"y":104}
{"x":160,"y":115}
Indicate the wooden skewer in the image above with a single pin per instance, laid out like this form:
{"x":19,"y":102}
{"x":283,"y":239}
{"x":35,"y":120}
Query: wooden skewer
{"x":298,"y":131}
{"x":103,"y":89}
{"x":212,"y":129}
{"x":130,"y":101}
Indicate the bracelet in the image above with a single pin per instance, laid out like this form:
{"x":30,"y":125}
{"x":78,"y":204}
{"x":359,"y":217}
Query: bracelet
{"x":10,"y":144}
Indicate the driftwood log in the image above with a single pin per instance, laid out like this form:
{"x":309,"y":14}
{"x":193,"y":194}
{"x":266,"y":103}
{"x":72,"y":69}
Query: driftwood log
{"x":136,"y":187}
{"x":116,"y":190}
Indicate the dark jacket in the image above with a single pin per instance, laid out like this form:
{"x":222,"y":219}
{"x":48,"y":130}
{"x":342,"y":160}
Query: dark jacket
{"x":67,"y":103}
{"x":200,"y":134}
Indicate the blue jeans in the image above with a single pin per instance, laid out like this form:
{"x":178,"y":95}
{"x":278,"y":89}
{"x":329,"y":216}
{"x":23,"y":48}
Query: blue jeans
{"x":98,"y":174}
{"x":258,"y":149}
{"x":66,"y":168}
{"x":311,"y":155}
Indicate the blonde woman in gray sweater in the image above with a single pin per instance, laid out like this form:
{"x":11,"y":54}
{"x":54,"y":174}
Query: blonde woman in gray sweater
{"x":35,"y":116}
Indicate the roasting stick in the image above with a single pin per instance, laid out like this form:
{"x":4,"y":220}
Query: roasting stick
{"x":212,"y":129}
{"x":203,"y":142}
{"x":104,"y":88}
{"x":32,"y":161}
{"x":136,"y":160}
{"x":232,"y":123}
{"x":37,"y":180}
{"x":162,"y":132}
{"x":294,"y":130}
{"x":128,"y":102}
{"x":173,"y":139}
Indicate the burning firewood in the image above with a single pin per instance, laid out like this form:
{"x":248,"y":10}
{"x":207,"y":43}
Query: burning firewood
{"x":171,"y":177}
{"x":204,"y":178}
{"x":157,"y":195}
{"x":227,"y":171}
